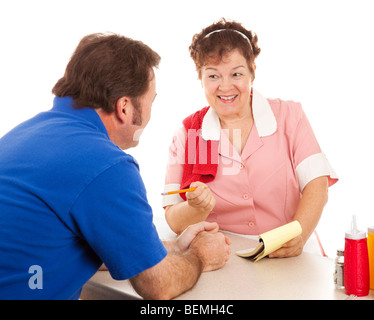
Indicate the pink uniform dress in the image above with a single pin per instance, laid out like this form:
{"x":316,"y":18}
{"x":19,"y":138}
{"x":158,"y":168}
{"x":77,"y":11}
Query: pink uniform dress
{"x":260,"y":189}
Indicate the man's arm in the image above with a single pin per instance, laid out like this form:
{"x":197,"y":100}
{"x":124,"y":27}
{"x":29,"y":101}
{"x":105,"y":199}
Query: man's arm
{"x":192,"y":253}
{"x":172,"y":276}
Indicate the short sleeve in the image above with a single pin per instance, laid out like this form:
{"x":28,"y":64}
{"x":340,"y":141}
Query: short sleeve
{"x":113,"y":216}
{"x":309,"y":160}
{"x":174,"y":169}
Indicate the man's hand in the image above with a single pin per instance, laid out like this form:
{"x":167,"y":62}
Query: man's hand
{"x":184,"y":240}
{"x":199,"y":248}
{"x":212,"y":248}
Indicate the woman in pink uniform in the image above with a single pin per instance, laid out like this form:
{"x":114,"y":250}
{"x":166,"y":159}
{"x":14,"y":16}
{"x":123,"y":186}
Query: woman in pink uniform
{"x":256,"y":161}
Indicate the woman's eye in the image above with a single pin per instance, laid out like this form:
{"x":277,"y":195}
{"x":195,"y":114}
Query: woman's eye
{"x":237,"y":74}
{"x":213,"y":76}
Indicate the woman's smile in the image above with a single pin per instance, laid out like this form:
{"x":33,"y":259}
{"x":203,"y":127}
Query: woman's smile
{"x":228,"y":99}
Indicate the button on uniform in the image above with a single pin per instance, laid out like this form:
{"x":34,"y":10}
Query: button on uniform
{"x":245,"y":196}
{"x":251,"y":224}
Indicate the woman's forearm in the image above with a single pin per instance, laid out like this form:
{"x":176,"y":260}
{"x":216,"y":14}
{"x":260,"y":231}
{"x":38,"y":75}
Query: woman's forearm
{"x":314,"y":198}
{"x":181,"y":215}
{"x":309,"y":211}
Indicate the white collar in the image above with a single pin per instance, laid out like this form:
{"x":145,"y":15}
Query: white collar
{"x":263,"y":116}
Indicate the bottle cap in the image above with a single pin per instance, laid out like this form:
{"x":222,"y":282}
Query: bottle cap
{"x":354,"y":233}
{"x":371,"y":230}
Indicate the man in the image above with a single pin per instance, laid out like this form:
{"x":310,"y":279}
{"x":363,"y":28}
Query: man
{"x":71,"y":199}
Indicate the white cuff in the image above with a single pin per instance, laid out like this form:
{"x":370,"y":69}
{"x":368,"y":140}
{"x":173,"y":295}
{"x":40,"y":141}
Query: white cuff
{"x":171,"y":199}
{"x":313,"y":167}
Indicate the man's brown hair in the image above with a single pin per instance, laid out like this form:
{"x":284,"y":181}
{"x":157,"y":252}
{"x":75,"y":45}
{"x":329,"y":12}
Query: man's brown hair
{"x":104,"y":68}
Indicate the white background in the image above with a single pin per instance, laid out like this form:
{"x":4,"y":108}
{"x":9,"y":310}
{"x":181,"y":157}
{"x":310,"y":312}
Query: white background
{"x":319,"y":53}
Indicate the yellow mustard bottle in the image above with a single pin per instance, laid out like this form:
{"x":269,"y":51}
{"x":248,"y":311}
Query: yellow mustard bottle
{"x":371,"y":255}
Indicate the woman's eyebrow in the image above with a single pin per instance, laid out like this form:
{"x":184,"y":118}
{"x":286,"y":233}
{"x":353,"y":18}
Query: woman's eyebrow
{"x":241,"y":66}
{"x":211,"y":68}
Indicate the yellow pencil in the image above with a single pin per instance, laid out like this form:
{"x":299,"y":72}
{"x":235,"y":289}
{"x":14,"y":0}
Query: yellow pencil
{"x":178,"y":191}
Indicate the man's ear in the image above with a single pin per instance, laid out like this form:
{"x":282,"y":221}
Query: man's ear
{"x":122,"y":109}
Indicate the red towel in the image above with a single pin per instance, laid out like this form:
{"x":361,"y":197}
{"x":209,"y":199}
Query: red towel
{"x":201,"y":157}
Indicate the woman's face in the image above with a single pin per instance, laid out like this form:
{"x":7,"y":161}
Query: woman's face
{"x":227,"y":86}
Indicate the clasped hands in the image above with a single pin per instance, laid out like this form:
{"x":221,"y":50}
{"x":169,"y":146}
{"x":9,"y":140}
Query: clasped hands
{"x":211,"y":246}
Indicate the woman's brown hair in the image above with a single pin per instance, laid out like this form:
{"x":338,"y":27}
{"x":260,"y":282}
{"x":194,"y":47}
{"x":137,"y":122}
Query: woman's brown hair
{"x":208,"y":45}
{"x":104,"y":68}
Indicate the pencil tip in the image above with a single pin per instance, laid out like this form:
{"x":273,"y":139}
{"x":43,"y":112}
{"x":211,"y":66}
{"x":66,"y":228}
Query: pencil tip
{"x":164,"y":193}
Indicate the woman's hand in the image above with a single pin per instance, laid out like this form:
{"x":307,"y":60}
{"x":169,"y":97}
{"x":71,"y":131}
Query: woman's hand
{"x":292,"y":248}
{"x":201,"y":198}
{"x":197,"y":208}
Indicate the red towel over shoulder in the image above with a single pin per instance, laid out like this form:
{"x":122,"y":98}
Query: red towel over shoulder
{"x":201,"y":156}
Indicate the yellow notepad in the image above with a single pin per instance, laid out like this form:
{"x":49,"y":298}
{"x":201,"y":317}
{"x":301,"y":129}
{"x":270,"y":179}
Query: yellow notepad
{"x":272,"y":240}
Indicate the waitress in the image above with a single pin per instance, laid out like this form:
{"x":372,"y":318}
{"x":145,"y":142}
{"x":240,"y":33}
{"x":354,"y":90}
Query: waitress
{"x":256,"y":162}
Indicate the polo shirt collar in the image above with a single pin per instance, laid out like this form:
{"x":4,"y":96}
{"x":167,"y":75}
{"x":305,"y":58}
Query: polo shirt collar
{"x":263,"y":116}
{"x":65,"y":104}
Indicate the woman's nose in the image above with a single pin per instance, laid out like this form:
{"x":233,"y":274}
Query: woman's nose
{"x":225,"y":84}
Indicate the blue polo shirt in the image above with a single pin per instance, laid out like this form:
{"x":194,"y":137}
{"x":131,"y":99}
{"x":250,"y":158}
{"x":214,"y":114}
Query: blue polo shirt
{"x":69,"y":201}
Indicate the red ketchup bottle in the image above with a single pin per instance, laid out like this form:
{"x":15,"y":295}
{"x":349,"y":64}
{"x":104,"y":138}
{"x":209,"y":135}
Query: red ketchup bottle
{"x":356,"y":262}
